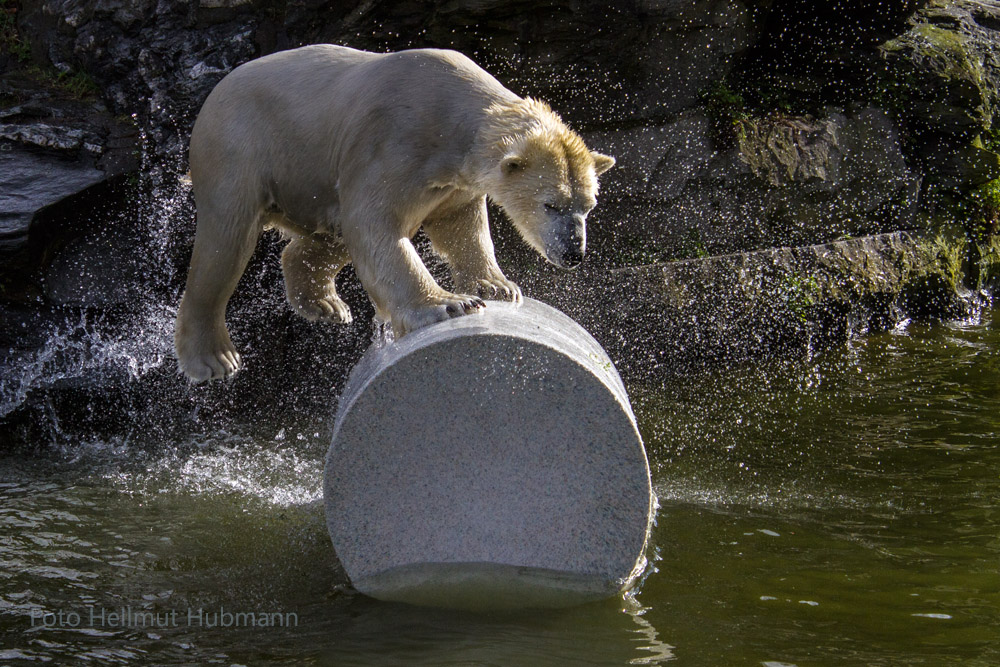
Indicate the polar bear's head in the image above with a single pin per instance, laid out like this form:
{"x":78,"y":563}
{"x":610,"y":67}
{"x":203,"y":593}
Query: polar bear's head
{"x":546,"y":182}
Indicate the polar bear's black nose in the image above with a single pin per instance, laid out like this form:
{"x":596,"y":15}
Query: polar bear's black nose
{"x":577,"y":243}
{"x":573,"y":258}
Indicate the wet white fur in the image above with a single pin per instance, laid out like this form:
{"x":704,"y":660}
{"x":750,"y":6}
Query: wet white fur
{"x":350,"y":153}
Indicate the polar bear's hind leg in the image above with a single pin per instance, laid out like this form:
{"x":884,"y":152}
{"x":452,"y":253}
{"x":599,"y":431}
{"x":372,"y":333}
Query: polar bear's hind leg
{"x":223,"y":243}
{"x":310,"y":265}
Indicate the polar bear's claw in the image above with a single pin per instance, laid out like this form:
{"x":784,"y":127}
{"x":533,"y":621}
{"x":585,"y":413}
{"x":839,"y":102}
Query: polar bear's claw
{"x":339,"y":311}
{"x":499,"y":289}
{"x":468,"y":304}
{"x":437,"y":309}
{"x":217,"y":366}
{"x":211,"y":357}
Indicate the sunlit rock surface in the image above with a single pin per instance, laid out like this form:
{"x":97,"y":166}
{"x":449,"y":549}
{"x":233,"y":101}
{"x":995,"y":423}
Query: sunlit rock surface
{"x":947,"y":58}
{"x":784,"y":181}
{"x":674,"y":316}
{"x":59,"y":156}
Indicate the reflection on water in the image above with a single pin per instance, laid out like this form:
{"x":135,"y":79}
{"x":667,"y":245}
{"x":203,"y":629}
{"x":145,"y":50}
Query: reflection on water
{"x":842,"y":510}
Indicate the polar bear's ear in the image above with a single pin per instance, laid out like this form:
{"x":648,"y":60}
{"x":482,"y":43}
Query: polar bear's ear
{"x":602,"y":162}
{"x":512,"y":164}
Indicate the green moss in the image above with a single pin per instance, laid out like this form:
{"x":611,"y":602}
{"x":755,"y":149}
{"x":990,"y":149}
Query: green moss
{"x":692,"y":246}
{"x":990,"y":139}
{"x":723,"y":100}
{"x":727,"y":110}
{"x":949,"y":50}
{"x":785,"y":96}
{"x":944,"y":255}
{"x":893,"y":90}
{"x":990,"y":264}
{"x":936,"y":277}
{"x":11,"y":40}
{"x":946,"y":53}
{"x":978,"y":210}
{"x":630,"y":250}
{"x":987,"y":197}
{"x":934,"y":73}
{"x":800,"y":294}
{"x":77,"y":83}
{"x":924,"y":276}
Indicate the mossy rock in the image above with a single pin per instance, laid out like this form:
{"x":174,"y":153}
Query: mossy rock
{"x":933,"y":296}
{"x":937,"y":74}
{"x":990,"y":264}
{"x":945,"y":52}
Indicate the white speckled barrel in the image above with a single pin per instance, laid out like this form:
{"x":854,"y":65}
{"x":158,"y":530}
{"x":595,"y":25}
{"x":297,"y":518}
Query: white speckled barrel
{"x":491,"y":460}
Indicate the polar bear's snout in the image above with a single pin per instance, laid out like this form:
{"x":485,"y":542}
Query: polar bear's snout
{"x":566,"y":240}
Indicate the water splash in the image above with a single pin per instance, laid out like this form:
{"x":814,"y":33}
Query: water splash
{"x":382,"y":333}
{"x":272,"y":469}
{"x":87,"y":349}
{"x":277,"y":476}
{"x":656,"y":651}
{"x":120,"y":342}
{"x":164,"y":204}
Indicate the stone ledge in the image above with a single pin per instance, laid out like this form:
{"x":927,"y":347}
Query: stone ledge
{"x":775,"y":302}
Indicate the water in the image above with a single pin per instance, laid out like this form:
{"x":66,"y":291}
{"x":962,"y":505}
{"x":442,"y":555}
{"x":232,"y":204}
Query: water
{"x":840,"y":510}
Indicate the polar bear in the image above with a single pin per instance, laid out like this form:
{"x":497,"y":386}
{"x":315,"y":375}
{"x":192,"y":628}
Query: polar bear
{"x":350,"y":153}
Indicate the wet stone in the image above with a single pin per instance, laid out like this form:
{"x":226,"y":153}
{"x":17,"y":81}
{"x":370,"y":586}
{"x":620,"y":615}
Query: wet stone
{"x":490,"y":460}
{"x":30,"y":180}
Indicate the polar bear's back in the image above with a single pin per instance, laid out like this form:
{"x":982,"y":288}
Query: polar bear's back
{"x":337,"y":109}
{"x":334,"y":86}
{"x":330,"y":64}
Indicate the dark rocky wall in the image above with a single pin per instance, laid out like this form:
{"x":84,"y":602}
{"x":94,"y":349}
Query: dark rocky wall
{"x":690,"y":95}
{"x":738,"y":125}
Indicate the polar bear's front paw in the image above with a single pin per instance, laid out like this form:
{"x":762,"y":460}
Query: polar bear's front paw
{"x":211,"y":358}
{"x":435,"y":309}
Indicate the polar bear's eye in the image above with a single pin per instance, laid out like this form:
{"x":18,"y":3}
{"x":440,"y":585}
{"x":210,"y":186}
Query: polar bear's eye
{"x":511,"y":165}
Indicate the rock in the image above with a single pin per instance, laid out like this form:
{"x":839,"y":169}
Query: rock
{"x":960,"y":167}
{"x":655,"y":162}
{"x":670,"y":317}
{"x":827,"y":45}
{"x":946,"y":69}
{"x":789,"y":180}
{"x":690,"y":45}
{"x":30,"y":181}
{"x":152,"y":59}
{"x":840,"y":175}
{"x":783,"y":151}
{"x":49,"y":136}
{"x":489,"y":460}
{"x":222,"y":3}
{"x":57,"y":149}
{"x":595,"y":63}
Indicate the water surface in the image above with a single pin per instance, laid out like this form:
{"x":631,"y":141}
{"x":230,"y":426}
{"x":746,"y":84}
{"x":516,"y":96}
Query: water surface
{"x":840,"y":510}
